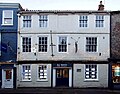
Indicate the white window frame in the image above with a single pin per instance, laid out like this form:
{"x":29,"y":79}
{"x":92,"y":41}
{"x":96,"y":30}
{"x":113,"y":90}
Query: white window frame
{"x":58,"y":44}
{"x":86,"y":44}
{"x":23,"y":72}
{"x":3,"y":17}
{"x":100,"y":20}
{"x":38,"y":79}
{"x":83,"y":21}
{"x":90,"y":78}
{"x":45,"y":25}
{"x":22,"y":44}
{"x":47,"y":44}
{"x":26,"y":25}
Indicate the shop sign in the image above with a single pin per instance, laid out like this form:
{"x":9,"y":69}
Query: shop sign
{"x":62,"y":65}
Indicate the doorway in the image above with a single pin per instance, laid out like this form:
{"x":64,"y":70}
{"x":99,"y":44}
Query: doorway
{"x":62,"y":77}
{"x":7,"y":78}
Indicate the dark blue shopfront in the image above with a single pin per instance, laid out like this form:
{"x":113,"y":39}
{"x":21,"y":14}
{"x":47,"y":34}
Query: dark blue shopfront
{"x":63,"y":73}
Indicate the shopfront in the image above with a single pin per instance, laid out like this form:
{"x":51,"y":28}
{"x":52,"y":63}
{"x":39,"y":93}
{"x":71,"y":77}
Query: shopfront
{"x":115,"y":75}
{"x":62,"y":75}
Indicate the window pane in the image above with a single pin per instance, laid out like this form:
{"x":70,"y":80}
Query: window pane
{"x":43,"y":20}
{"x":83,"y":21}
{"x":91,"y":71}
{"x":27,"y":21}
{"x":91,"y":44}
{"x":26,"y":44}
{"x":42,"y":44}
{"x":62,"y":46}
{"x":116,"y":73}
{"x":26,"y":72}
{"x":7,"y":17}
{"x":99,"y":20}
{"x":42,"y":72}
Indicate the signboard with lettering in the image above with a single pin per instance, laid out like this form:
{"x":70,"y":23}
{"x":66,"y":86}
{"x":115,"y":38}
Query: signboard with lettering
{"x":62,"y":65}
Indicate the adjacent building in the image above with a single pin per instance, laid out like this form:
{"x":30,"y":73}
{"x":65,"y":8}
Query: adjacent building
{"x":115,"y":50}
{"x":8,"y":43}
{"x":63,"y":48}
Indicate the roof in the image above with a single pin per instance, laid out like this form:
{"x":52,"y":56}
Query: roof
{"x":10,"y":5}
{"x":61,"y":11}
{"x":115,"y":12}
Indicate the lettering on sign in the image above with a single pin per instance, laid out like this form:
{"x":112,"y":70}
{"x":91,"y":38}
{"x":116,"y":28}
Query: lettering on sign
{"x":62,"y":65}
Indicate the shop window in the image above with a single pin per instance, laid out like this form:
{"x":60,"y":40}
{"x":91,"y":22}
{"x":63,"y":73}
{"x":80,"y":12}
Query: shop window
{"x":91,"y":72}
{"x":116,"y":73}
{"x":42,"y":72}
{"x":26,"y":72}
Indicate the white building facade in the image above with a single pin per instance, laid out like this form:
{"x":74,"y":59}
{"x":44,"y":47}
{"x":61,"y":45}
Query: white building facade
{"x":63,"y":48}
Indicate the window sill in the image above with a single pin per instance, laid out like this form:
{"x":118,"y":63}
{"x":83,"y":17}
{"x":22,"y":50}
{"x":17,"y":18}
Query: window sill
{"x":116,"y":83}
{"x":25,"y":81}
{"x":91,"y":80}
{"x":42,"y":52}
{"x":7,"y":24}
{"x":27,"y":27}
{"x":42,"y":80}
{"x":83,"y":27}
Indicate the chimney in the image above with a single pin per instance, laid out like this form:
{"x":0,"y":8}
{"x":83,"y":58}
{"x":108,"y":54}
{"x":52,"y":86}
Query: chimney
{"x":101,"y":6}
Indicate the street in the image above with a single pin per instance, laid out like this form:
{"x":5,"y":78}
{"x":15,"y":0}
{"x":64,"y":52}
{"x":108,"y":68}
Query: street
{"x":58,"y":91}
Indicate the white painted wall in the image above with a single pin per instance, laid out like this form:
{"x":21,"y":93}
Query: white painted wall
{"x":66,"y":25}
{"x":103,"y":48}
{"x":34,"y":81}
{"x":79,"y":81}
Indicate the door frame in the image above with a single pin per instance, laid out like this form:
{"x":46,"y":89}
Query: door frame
{"x":3,"y":78}
{"x":62,"y":77}
{"x":70,"y":77}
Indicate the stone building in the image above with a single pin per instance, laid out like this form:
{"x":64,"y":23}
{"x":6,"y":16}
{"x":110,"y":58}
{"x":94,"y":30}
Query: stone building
{"x":63,"y":48}
{"x":115,"y":50}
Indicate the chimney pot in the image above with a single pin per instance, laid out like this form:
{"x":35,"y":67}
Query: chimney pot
{"x":101,"y":6}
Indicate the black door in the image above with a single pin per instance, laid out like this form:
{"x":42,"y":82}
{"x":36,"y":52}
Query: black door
{"x":62,"y":77}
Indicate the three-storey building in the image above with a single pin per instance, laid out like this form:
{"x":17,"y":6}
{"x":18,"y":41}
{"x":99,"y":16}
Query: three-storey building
{"x":63,"y":48}
{"x":8,"y":43}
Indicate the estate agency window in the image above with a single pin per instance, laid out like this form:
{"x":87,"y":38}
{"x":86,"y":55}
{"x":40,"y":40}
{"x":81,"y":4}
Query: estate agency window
{"x":91,"y":72}
{"x":116,"y":73}
{"x":42,"y":72}
{"x":26,"y":72}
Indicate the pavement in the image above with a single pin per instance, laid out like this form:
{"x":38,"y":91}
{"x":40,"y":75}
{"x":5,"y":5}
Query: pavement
{"x":58,"y":91}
